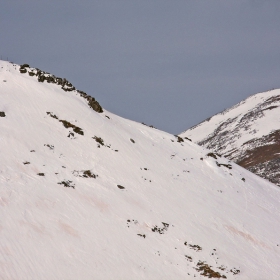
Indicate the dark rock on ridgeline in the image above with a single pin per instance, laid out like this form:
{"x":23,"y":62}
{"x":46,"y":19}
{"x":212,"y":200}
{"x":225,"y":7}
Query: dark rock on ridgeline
{"x":43,"y":76}
{"x":23,"y":69}
{"x":2,"y":114}
{"x":92,"y":103}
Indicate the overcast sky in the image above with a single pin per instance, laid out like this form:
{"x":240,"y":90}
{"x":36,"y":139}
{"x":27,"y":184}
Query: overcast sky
{"x":166,"y":63}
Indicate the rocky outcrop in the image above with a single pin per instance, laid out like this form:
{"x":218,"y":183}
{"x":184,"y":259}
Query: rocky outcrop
{"x":43,"y":76}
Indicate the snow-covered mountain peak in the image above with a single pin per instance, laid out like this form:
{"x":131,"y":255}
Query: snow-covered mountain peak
{"x":86,"y":194}
{"x":247,"y":133}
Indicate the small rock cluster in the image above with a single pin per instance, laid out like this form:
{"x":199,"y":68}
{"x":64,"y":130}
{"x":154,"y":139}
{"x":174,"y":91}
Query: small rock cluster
{"x":43,"y":76}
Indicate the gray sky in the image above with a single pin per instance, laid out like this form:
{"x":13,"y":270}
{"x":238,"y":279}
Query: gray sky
{"x":167,"y":63}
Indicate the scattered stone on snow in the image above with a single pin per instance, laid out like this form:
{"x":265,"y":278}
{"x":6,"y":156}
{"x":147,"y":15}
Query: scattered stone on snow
{"x":67,"y":184}
{"x":67,"y":124}
{"x":84,"y":174}
{"x":160,"y":230}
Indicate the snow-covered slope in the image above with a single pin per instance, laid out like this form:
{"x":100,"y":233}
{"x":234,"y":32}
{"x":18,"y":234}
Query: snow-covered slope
{"x":248,"y":133}
{"x":90,"y":195}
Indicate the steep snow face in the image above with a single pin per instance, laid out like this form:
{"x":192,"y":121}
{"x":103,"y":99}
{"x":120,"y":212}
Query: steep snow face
{"x":87,"y":195}
{"x":248,"y":133}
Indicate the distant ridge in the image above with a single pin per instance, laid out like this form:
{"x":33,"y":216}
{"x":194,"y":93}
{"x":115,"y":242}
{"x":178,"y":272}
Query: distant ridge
{"x":247,"y":133}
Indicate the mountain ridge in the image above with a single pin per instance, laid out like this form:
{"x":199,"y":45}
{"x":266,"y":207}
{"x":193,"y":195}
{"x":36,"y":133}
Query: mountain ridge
{"x":92,"y":195}
{"x":246,"y":133}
